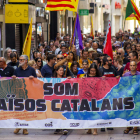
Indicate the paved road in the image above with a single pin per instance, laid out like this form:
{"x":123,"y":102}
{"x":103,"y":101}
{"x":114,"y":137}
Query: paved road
{"x":38,"y":134}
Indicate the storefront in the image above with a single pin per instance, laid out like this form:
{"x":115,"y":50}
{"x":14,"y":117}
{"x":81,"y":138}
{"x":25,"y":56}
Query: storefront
{"x":117,"y":16}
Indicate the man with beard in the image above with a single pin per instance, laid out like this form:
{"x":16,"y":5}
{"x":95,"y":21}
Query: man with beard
{"x":5,"y":70}
{"x":14,"y":63}
{"x":108,"y":69}
{"x":24,"y":71}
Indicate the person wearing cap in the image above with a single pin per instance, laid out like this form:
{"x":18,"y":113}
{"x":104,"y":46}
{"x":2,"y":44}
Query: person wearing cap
{"x":90,"y":53}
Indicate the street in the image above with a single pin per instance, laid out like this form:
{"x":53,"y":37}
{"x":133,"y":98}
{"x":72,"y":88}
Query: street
{"x":38,"y":134}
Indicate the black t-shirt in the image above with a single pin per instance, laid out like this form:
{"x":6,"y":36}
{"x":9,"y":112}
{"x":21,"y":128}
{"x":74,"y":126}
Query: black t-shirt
{"x":14,"y":65}
{"x":120,"y":72}
{"x":125,"y":61}
{"x":7,"y":72}
{"x":19,"y":72}
{"x":111,"y":72}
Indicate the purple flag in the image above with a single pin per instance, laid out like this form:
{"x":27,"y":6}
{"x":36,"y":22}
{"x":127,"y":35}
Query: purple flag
{"x":78,"y":37}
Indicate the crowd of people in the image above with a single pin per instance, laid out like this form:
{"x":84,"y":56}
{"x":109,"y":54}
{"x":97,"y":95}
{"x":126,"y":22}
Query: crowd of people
{"x":57,"y":59}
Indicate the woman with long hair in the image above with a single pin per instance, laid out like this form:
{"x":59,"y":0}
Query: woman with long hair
{"x":32,"y":64}
{"x":59,"y":72}
{"x":133,"y":47}
{"x":72,"y":58}
{"x":35,"y":55}
{"x":93,"y":72}
{"x":74,"y":68}
{"x":7,"y":53}
{"x":39,"y":63}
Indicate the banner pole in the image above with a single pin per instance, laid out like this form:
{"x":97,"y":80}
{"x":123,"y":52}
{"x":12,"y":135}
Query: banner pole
{"x":71,"y":44}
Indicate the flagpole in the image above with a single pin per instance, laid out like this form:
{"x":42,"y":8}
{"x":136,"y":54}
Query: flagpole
{"x":73,"y":32}
{"x":71,"y":43}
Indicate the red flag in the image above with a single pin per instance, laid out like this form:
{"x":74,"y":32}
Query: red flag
{"x":108,"y":47}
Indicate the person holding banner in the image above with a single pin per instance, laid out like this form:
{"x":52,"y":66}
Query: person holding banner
{"x":133,"y":71}
{"x":24,"y":71}
{"x":93,"y":72}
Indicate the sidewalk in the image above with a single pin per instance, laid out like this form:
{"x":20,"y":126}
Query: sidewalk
{"x":39,"y":134}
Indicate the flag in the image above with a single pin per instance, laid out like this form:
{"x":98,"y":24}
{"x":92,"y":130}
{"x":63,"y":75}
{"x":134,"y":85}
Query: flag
{"x":132,"y":12}
{"x":108,"y":47}
{"x":60,"y":5}
{"x":27,"y":42}
{"x":91,"y":32}
{"x":77,"y":36}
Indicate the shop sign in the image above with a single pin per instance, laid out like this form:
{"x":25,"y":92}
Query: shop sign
{"x":83,"y":12}
{"x":117,"y":5}
{"x":19,"y":13}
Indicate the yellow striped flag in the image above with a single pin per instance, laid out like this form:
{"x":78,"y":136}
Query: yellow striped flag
{"x":91,"y":32}
{"x":27,"y":43}
{"x":132,"y":12}
{"x":60,"y":5}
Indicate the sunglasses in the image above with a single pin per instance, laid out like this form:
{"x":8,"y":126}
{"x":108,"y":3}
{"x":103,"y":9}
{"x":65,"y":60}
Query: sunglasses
{"x":118,"y":53}
{"x":110,"y":60}
{"x":38,"y":61}
{"x":60,"y":58}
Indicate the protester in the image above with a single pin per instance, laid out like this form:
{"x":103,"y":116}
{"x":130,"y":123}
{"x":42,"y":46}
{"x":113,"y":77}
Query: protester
{"x":93,"y":72}
{"x":59,"y":72}
{"x":48,"y":69}
{"x":107,"y":70}
{"x":97,"y":62}
{"x":7,"y":53}
{"x":118,"y":63}
{"x":40,"y":48}
{"x":14,"y":63}
{"x":121,"y":53}
{"x":74,"y":68}
{"x":33,"y":64}
{"x":61,"y":62}
{"x":133,"y":71}
{"x":90,"y":54}
{"x":39,"y":63}
{"x":72,"y":58}
{"x":82,"y":72}
{"x":133,"y":56}
{"x":35,"y":55}
{"x":5,"y":70}
{"x":84,"y":57}
{"x":133,"y":47}
{"x":23,"y":71}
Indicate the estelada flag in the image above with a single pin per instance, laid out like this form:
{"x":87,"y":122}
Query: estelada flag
{"x":60,"y":5}
{"x":132,"y":12}
{"x":91,"y":32}
{"x":108,"y":47}
{"x":27,"y":43}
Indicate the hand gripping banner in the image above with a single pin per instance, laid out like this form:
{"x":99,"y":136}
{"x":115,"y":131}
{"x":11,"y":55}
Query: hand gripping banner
{"x":69,"y":103}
